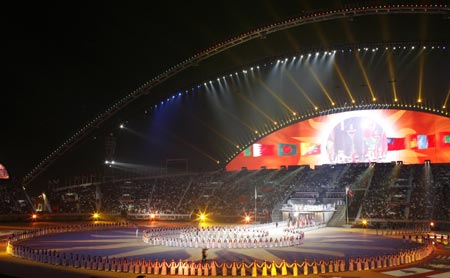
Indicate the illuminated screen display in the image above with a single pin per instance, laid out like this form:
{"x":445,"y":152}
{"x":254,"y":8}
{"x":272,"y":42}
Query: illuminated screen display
{"x":352,"y":137}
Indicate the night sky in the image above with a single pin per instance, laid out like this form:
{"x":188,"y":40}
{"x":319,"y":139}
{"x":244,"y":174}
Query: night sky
{"x":67,"y":61}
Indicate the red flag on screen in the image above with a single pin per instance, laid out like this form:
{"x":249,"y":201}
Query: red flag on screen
{"x":431,"y":139}
{"x":421,"y":141}
{"x":395,"y":144}
{"x":263,"y":150}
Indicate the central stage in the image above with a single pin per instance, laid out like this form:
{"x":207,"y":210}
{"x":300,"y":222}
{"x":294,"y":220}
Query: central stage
{"x":320,"y":244}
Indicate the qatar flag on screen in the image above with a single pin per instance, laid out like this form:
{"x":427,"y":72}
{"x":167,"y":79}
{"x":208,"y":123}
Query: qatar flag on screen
{"x":262,"y":150}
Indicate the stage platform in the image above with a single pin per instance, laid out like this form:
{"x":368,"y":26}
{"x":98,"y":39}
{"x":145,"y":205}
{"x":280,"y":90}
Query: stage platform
{"x":320,"y":244}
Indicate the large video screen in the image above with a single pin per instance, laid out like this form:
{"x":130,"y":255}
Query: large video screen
{"x":352,"y":137}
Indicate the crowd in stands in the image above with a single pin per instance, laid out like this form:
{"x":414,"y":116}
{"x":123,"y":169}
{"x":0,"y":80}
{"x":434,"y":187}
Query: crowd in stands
{"x":220,"y":192}
{"x":379,"y":191}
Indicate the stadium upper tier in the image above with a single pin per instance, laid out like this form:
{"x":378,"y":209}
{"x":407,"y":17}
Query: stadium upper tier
{"x":214,"y":120}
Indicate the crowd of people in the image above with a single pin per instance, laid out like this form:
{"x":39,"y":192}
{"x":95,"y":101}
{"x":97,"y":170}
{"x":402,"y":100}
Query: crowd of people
{"x":379,"y":191}
{"x":205,"y":267}
{"x":226,"y":194}
{"x":223,"y":237}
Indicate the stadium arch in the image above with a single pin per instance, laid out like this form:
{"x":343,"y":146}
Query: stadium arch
{"x":262,"y":32}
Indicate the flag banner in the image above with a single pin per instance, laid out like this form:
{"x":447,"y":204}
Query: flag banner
{"x":351,"y":193}
{"x":444,"y":139}
{"x":287,"y":149}
{"x":309,"y":148}
{"x":262,"y":150}
{"x":431,"y":141}
{"x":395,"y":144}
{"x":421,"y":141}
{"x":3,"y":173}
{"x":425,"y":141}
{"x":246,"y":152}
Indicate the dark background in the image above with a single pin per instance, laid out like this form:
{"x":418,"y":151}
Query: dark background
{"x":64,"y":62}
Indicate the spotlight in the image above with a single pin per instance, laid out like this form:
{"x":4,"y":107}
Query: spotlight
{"x":121,"y":126}
{"x":202,"y":217}
{"x":247,"y":219}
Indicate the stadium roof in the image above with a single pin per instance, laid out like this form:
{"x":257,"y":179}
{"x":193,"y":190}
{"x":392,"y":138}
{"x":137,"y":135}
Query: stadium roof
{"x":150,"y":68}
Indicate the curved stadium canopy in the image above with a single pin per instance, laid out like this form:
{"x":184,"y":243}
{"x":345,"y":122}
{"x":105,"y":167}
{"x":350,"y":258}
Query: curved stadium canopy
{"x":211,"y":107}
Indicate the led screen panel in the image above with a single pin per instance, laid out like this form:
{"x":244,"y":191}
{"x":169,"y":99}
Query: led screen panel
{"x":352,"y":137}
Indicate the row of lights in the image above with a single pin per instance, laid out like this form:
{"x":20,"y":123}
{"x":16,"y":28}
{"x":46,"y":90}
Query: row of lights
{"x":260,"y":31}
{"x":252,"y":68}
